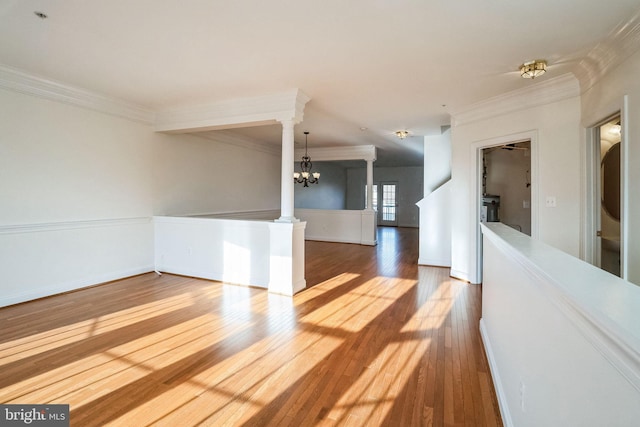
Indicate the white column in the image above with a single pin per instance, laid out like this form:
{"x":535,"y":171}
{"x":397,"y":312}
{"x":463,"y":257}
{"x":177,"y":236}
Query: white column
{"x":369,"y":185}
{"x":286,"y":184}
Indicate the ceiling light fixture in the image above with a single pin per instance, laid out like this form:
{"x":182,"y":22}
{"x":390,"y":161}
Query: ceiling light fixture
{"x":616,"y":129}
{"x":40,"y":15}
{"x":306,"y":177}
{"x":533,"y":69}
{"x":402,"y":134}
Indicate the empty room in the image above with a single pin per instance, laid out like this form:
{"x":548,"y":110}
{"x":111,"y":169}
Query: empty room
{"x":363,"y":213}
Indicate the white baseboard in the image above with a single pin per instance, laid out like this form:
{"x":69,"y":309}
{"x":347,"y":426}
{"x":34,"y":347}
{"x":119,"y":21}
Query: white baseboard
{"x":434,"y":262}
{"x":254,"y":281}
{"x":329,"y":239}
{"x":72,"y":285}
{"x":495,"y":376}
{"x":457,"y":274}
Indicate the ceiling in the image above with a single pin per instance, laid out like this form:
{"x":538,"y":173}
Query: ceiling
{"x":371,"y":67}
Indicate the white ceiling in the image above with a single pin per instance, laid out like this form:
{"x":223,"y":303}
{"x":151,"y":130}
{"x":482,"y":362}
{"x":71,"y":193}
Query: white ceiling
{"x":382,"y":65}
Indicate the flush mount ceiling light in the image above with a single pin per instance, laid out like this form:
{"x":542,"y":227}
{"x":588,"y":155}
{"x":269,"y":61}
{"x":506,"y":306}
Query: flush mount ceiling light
{"x":616,"y":129}
{"x":305,"y":176}
{"x":402,"y":134}
{"x":533,"y":69}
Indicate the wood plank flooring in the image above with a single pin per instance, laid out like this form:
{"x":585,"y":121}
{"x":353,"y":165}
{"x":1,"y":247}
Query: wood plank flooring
{"x":374,"y":340}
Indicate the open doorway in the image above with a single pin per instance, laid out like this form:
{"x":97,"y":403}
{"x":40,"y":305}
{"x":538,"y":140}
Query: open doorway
{"x":518,"y":144}
{"x":606,"y":190}
{"x":506,"y":185}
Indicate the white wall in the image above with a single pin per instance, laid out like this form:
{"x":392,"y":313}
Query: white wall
{"x":193,"y":175}
{"x":435,"y":207}
{"x":437,"y":161}
{"x":343,"y":226}
{"x":561,"y":335}
{"x":600,"y":101}
{"x":329,"y":193}
{"x":79,"y":188}
{"x":555,"y":128}
{"x":76,"y":191}
{"x":410,"y":190}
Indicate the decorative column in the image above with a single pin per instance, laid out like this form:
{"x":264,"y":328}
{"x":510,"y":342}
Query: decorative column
{"x":286,"y":183}
{"x":369,"y":185}
{"x":286,"y":234}
{"x":369,"y":216}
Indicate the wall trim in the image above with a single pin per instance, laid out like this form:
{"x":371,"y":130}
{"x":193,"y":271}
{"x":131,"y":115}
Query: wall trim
{"x":435,"y":262}
{"x":620,"y":44}
{"x":503,"y":404}
{"x":256,"y":280}
{"x":539,"y":93}
{"x":230,"y":138}
{"x":263,"y":214}
{"x":358,"y":152}
{"x":73,"y":285}
{"x":22,"y":82}
{"x":233,"y":113}
{"x":334,"y":240}
{"x":71,"y":225}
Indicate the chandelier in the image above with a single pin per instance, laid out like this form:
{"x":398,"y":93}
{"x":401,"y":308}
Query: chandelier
{"x":306,"y":176}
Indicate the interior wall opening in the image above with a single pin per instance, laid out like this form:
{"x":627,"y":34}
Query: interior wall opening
{"x":608,"y":201}
{"x":506,"y":185}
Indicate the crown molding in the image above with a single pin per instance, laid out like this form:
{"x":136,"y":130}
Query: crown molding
{"x":541,"y":93}
{"x":358,"y":152}
{"x":259,"y":110}
{"x":19,"y":81}
{"x":230,"y":138}
{"x":620,"y":44}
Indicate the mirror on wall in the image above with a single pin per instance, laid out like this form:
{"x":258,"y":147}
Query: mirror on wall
{"x":610,"y":169}
{"x":610,"y":201}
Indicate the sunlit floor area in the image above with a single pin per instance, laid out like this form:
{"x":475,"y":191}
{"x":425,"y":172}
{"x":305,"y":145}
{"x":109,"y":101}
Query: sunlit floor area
{"x":374,"y":340}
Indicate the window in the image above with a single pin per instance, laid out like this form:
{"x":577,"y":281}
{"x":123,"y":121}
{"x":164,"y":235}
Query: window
{"x":388,"y":202}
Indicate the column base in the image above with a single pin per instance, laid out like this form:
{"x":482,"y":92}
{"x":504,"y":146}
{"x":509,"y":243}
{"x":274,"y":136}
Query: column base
{"x":287,"y":219}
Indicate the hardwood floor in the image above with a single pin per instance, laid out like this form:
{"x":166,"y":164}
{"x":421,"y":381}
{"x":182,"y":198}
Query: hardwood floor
{"x":375,"y":340}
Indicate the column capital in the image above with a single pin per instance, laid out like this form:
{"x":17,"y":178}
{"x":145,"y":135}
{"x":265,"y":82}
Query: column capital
{"x":300,"y":99}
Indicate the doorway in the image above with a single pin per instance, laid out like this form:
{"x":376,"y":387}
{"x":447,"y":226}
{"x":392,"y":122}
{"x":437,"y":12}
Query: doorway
{"x":506,"y":185}
{"x":385,"y":202}
{"x":388,"y":214}
{"x":606,"y":189}
{"x":476,"y":153}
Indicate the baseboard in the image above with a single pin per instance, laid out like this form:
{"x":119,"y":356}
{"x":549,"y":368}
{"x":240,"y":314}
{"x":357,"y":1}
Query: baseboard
{"x":457,"y":274}
{"x":72,"y":285}
{"x":254,"y":281}
{"x":434,"y":262}
{"x":328,"y":239}
{"x":495,"y":376}
{"x":299,"y":286}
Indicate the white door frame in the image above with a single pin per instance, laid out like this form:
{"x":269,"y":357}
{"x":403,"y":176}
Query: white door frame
{"x":476,"y":185}
{"x":591,"y":243}
{"x":381,"y":222}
